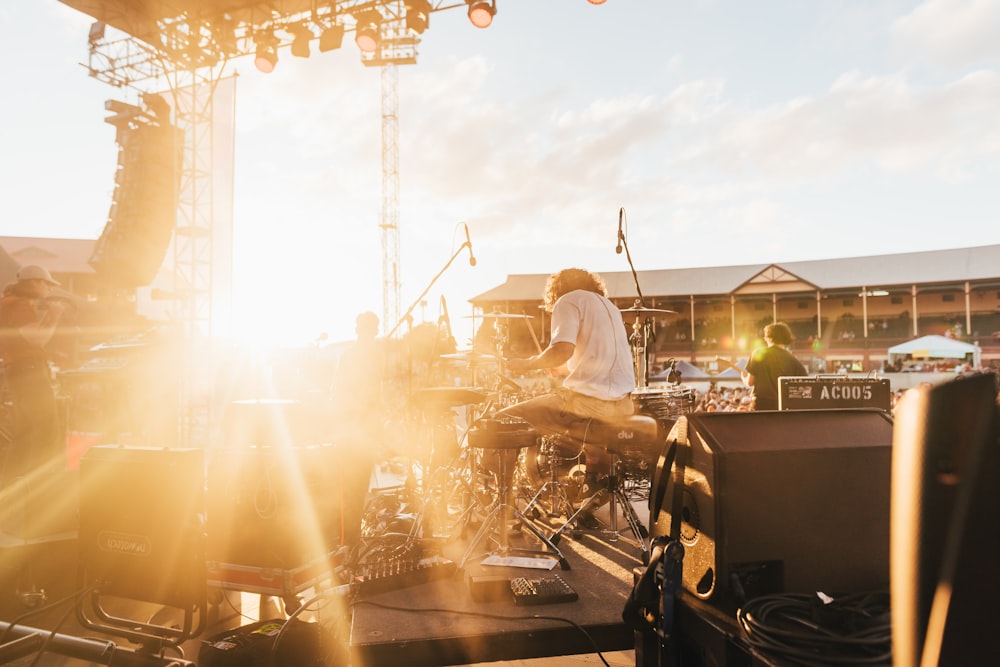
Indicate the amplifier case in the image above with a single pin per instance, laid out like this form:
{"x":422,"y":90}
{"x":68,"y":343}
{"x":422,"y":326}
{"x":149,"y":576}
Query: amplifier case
{"x":794,"y":501}
{"x":142,"y":530}
{"x":275,"y":507}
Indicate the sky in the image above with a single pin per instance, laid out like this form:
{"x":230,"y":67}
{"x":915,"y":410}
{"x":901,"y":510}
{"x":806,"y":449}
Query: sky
{"x":726,"y":132}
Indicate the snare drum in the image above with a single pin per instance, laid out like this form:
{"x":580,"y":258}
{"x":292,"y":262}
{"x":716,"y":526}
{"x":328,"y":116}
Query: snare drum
{"x":665,"y":405}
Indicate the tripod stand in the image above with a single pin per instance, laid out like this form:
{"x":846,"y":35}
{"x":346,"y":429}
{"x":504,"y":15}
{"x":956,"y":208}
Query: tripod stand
{"x":559,"y":503}
{"x":507,"y":442}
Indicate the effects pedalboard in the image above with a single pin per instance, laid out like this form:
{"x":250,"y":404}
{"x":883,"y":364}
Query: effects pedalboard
{"x":523,"y":590}
{"x":542,"y":590}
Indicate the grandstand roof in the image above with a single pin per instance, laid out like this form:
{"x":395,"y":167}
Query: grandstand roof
{"x":980,"y":263}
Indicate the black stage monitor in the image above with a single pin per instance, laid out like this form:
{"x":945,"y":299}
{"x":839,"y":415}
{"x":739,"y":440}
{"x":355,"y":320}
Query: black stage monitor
{"x":945,"y":524}
{"x":778,"y":502}
{"x":824,"y":392}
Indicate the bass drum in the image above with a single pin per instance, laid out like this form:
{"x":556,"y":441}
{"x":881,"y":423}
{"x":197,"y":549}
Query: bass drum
{"x":556,"y":459}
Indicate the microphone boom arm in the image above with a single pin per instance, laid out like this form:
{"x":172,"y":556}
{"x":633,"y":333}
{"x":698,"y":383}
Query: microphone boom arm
{"x":409,"y":311}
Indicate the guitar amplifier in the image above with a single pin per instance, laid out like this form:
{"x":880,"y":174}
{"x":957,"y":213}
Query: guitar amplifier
{"x":827,"y":392}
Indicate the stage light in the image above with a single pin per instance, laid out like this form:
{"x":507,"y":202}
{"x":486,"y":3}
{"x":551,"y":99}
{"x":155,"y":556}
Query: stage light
{"x":301,"y":36}
{"x":366,"y":32}
{"x":96,"y":32}
{"x":331,"y":38}
{"x":266,"y":59}
{"x":418,"y":15}
{"x":596,"y":2}
{"x":481,"y":12}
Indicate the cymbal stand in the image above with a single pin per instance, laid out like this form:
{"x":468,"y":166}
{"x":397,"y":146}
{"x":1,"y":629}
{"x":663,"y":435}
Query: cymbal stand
{"x":639,"y":342}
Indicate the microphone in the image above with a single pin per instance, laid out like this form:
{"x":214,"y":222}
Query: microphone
{"x":618,"y":248}
{"x":468,"y":242}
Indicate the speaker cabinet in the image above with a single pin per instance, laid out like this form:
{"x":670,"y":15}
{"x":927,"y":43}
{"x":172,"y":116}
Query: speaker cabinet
{"x":946,"y":523}
{"x":142,"y":532}
{"x":772,"y":502}
{"x":275,"y":507}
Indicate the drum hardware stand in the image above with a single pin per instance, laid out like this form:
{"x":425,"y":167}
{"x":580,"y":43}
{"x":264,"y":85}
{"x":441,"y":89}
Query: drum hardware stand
{"x":499,"y":519}
{"x":559,"y":503}
{"x":614,"y":490}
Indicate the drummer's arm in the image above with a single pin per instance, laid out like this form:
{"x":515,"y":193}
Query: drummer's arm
{"x":553,"y":356}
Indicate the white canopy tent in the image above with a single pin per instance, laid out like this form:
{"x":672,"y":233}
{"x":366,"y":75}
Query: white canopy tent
{"x":935,"y":347}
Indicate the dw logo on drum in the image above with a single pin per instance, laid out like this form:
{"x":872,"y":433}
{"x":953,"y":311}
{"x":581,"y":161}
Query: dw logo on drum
{"x":626,"y":434}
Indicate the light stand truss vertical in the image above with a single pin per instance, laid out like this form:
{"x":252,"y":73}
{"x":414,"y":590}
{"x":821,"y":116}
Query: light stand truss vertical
{"x":193,"y":250}
{"x":390,"y":197}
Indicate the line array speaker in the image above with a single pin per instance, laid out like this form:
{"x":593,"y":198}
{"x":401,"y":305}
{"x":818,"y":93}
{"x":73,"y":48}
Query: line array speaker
{"x":793,"y":501}
{"x":143,"y":211}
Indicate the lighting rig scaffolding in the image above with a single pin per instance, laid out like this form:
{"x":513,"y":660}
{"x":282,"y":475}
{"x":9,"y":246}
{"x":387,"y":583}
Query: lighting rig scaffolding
{"x":185,"y":47}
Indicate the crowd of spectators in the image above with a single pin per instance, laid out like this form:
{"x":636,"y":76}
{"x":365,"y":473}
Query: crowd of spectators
{"x":723,"y":399}
{"x":738,"y":399}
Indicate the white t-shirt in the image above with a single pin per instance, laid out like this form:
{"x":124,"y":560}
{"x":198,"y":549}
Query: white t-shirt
{"x":601,"y":365}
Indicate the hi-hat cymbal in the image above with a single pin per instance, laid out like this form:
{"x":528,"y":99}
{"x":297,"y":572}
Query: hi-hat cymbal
{"x":472,"y":357}
{"x":504,"y":316}
{"x":643,"y":309}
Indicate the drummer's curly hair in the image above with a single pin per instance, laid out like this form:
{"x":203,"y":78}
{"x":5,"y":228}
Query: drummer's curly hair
{"x":568,"y":280}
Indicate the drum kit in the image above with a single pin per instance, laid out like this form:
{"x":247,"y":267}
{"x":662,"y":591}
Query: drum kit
{"x":499,"y":465}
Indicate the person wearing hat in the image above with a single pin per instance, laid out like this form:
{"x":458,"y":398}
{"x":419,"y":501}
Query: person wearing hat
{"x":28,"y":320}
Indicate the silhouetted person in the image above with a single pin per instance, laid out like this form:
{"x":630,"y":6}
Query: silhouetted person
{"x":768,"y":363}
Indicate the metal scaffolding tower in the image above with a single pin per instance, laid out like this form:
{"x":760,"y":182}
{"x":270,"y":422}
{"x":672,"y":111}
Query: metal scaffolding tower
{"x":190,"y":50}
{"x":390,"y":198}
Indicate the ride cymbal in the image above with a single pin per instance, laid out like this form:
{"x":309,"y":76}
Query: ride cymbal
{"x":504,"y":316}
{"x":472,"y":357}
{"x":643,"y":309}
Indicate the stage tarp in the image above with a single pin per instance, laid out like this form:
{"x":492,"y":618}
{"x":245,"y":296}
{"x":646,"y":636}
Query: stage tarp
{"x":935,"y":347}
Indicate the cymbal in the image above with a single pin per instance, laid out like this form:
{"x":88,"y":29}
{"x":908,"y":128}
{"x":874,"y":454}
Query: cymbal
{"x":448,"y":397}
{"x":505,"y":316}
{"x":643,"y":309}
{"x":472,"y":357}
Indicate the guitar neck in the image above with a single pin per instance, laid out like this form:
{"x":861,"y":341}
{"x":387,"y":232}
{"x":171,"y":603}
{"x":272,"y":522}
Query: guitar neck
{"x":728,"y":363}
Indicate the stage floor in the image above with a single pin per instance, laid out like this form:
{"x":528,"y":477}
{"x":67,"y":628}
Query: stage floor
{"x":433,"y":623}
{"x":441,"y":622}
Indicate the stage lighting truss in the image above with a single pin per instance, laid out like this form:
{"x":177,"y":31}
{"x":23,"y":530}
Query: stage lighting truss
{"x":136,"y":46}
{"x":481,"y":12}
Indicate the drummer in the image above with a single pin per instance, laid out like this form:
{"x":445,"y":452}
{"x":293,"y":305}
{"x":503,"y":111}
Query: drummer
{"x":590,"y":338}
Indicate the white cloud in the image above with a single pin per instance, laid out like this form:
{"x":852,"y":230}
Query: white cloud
{"x":952,"y":33}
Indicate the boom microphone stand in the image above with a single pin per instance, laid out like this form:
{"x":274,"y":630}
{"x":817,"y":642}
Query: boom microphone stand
{"x":642,"y":327}
{"x":409,"y":311}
